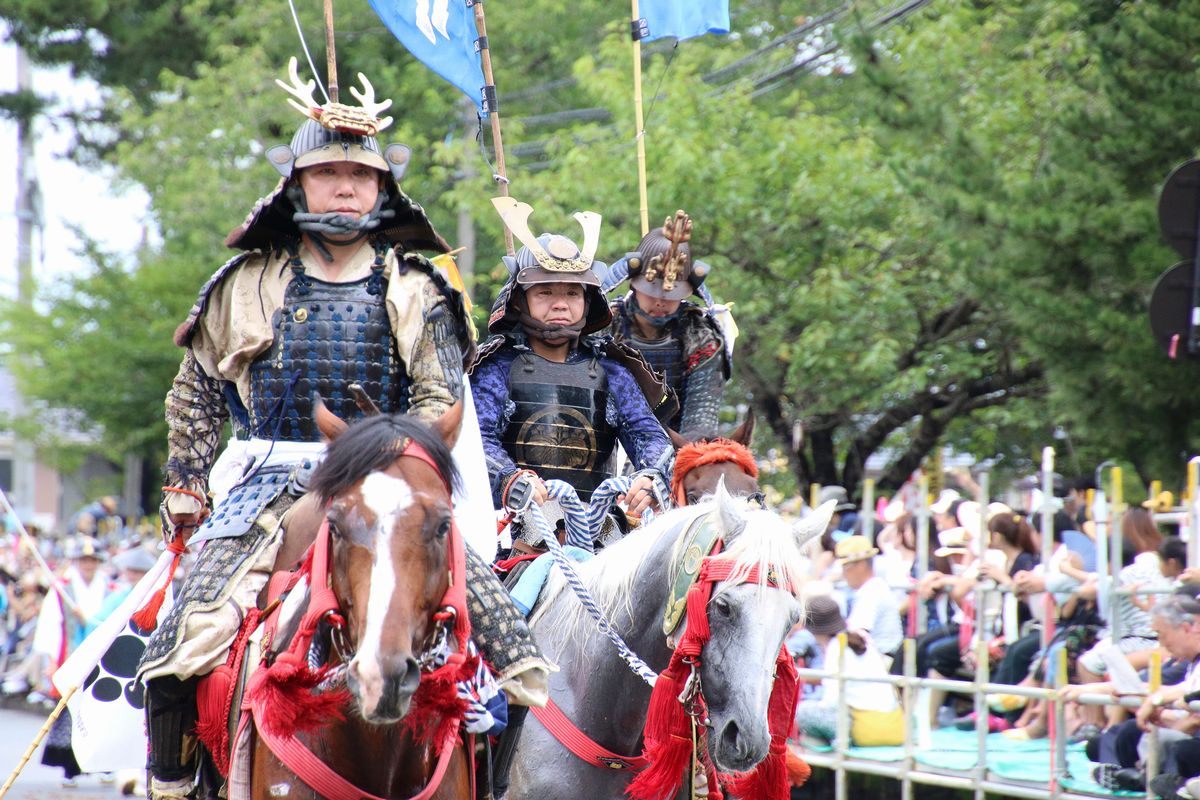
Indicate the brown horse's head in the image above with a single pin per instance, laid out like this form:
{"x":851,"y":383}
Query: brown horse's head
{"x":389,"y":519}
{"x":701,"y":464}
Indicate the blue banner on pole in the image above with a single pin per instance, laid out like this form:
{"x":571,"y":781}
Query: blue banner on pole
{"x":441,"y":34}
{"x":683,"y":19}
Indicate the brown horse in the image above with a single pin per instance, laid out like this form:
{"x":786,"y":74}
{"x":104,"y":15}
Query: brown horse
{"x":389,"y":556}
{"x":700,"y":464}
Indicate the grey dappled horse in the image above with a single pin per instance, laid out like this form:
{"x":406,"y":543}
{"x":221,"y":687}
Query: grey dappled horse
{"x":631,"y":580}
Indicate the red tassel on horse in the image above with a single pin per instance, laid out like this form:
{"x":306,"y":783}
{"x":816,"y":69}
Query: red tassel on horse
{"x":284,"y":691}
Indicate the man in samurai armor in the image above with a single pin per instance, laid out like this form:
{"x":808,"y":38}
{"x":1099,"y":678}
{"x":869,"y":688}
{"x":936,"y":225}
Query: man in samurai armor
{"x":678,"y":338}
{"x":326,"y":291}
{"x":553,"y":395}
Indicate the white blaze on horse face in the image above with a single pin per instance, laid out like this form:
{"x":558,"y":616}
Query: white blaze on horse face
{"x":387,"y":497}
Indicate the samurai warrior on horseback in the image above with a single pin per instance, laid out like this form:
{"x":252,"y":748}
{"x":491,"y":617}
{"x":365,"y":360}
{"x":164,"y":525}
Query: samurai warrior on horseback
{"x":328,"y":290}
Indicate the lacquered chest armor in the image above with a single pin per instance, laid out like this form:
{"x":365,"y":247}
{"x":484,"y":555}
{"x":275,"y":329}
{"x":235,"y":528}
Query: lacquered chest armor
{"x":559,"y":427}
{"x":327,"y":336}
{"x":666,"y":358}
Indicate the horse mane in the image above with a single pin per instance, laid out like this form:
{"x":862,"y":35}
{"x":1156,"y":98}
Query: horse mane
{"x":369,"y":445}
{"x":711,"y":451}
{"x":767,"y":540}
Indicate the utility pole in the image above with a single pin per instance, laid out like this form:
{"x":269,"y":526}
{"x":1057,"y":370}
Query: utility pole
{"x":27,"y":189}
{"x":24,"y":463}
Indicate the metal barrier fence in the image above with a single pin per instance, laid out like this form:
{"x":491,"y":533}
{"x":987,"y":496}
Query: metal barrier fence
{"x":909,"y":773}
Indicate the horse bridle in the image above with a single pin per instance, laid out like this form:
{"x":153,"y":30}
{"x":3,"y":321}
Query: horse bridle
{"x":446,"y":618}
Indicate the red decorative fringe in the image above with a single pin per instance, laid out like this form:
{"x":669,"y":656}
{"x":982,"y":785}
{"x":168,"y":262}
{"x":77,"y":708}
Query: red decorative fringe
{"x":712,"y":451}
{"x":214,"y":697}
{"x":146,"y":618}
{"x":798,"y":769}
{"x":212,"y":723}
{"x":284,"y":691}
{"x":437,"y":708}
{"x":668,"y":740}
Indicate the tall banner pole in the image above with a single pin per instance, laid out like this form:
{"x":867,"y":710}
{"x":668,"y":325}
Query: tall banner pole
{"x":639,"y":30}
{"x":492,"y":108}
{"x":330,"y":53}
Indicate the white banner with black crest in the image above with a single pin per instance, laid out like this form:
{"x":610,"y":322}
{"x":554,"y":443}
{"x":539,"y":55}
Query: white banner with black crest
{"x":108,"y":724}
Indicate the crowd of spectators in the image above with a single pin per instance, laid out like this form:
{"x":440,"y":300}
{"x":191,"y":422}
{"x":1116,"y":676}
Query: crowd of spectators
{"x":985,"y":589}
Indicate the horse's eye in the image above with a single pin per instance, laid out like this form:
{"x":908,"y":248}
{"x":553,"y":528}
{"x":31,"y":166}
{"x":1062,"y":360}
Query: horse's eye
{"x":334,"y":530}
{"x":443,"y":528}
{"x":723,"y":606}
{"x":692,"y":499}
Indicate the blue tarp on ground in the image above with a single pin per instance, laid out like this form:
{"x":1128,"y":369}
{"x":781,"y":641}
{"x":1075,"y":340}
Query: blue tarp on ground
{"x":1026,"y":761}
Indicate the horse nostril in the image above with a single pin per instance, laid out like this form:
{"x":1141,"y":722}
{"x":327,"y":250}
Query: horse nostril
{"x":412,"y":675}
{"x":729,"y":737}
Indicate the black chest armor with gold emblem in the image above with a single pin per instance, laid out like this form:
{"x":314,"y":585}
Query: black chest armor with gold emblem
{"x":327,"y":336}
{"x":559,"y":425}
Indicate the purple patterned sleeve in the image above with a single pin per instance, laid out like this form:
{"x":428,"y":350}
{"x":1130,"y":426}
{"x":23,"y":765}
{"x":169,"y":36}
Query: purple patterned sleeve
{"x":489,"y":383}
{"x":639,"y":430}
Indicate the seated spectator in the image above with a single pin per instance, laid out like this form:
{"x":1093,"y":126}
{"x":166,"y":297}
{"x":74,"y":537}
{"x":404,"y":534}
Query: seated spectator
{"x":876,"y":716}
{"x":1137,"y":639}
{"x":870,"y":605}
{"x":1120,"y":751}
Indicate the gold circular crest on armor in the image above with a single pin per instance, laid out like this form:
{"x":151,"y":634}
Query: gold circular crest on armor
{"x":300,"y":315}
{"x":559,"y":437}
{"x":691,"y":559}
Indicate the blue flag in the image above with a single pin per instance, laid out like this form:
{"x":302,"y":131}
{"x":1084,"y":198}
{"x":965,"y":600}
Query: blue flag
{"x":441,"y":34}
{"x":683,"y":19}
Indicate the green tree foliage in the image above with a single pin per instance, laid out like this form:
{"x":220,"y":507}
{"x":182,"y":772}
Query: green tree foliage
{"x":936,"y":227}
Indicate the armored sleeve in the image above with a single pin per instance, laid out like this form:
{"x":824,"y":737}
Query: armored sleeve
{"x":196,"y":414}
{"x":639,"y":430}
{"x":705,"y":371}
{"x":432,"y":354}
{"x":489,"y":384}
{"x":703,"y":388}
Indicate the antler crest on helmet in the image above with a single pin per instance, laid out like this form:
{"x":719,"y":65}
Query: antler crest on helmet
{"x":363,"y":121}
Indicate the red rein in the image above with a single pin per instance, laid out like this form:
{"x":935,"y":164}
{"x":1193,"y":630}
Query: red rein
{"x":668,"y":738}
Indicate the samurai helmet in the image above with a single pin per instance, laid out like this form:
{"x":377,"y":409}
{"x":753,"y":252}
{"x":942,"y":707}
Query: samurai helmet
{"x":662,"y":266}
{"x":335,"y":132}
{"x":550,"y":258}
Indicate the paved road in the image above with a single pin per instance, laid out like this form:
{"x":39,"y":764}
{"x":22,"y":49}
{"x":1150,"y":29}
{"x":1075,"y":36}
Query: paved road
{"x":17,"y":730}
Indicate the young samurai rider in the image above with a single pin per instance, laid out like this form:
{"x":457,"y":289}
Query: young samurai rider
{"x":678,"y":338}
{"x":553,"y":396}
{"x":325,"y":292}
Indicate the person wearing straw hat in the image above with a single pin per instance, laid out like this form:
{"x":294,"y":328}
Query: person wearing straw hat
{"x":876,"y":717}
{"x":870,"y":604}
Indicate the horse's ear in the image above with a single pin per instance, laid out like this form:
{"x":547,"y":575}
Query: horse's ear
{"x":743,"y":433}
{"x":677,"y":439}
{"x":814,"y":524}
{"x":449,"y":424}
{"x":329,"y":424}
{"x":730,"y":520}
